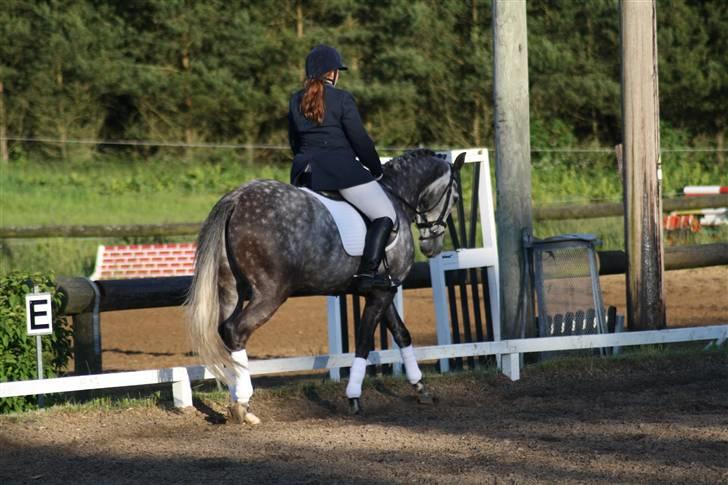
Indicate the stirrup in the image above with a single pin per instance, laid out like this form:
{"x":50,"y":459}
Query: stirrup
{"x":367,"y":281}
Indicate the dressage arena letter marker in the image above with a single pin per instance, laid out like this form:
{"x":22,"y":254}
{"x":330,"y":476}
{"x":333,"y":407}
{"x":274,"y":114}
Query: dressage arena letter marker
{"x":38,"y":313}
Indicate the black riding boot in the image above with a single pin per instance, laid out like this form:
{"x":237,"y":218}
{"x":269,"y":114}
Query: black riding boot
{"x":374,"y":246}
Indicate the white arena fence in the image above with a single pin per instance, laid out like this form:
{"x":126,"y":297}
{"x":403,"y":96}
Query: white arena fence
{"x":508,"y":352}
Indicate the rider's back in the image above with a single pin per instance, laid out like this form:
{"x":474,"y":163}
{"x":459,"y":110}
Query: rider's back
{"x":330,"y":148}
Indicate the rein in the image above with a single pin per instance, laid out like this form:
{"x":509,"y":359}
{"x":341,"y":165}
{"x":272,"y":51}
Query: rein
{"x":440,"y":221}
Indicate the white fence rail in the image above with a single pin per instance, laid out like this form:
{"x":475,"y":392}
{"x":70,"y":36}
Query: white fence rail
{"x":510,"y":350}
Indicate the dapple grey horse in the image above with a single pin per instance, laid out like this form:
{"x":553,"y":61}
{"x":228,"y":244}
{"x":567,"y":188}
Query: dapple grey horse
{"x":277,"y":240}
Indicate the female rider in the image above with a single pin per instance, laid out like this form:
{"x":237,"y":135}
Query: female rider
{"x":327,"y":135}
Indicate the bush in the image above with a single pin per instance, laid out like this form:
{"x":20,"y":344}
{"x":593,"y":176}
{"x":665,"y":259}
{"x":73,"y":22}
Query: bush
{"x":17,"y":349}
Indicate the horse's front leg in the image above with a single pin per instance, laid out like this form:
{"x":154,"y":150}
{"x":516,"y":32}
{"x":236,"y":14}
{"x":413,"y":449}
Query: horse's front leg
{"x":402,"y":338}
{"x":376,"y":303}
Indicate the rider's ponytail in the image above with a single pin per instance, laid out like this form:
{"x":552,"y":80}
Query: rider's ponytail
{"x":312,"y":103}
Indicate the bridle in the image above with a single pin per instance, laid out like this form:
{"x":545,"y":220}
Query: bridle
{"x":423,"y":223}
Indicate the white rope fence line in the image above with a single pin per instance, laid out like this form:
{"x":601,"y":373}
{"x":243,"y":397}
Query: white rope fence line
{"x":254,"y":146}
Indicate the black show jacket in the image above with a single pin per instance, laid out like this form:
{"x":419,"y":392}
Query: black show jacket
{"x":330,"y":149}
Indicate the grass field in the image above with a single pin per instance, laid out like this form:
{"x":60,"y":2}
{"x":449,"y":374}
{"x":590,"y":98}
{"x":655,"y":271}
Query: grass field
{"x":115,"y":191}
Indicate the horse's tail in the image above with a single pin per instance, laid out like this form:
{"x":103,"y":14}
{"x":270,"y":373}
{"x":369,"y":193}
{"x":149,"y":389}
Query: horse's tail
{"x":203,"y":301}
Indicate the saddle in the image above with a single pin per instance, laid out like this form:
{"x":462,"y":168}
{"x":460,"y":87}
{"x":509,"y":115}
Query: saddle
{"x":332,"y":194}
{"x":352,"y":225}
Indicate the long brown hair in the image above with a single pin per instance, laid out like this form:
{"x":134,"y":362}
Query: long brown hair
{"x":312,"y":103}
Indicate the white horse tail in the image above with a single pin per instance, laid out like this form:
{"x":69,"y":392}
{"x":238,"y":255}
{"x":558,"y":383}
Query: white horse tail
{"x":203,"y":300}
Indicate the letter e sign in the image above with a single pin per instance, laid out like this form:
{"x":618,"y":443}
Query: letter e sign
{"x":38,"y":313}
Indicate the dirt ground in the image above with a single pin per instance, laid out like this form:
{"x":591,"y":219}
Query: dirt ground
{"x":660,"y":419}
{"x":155,"y":338}
{"x":657,"y":419}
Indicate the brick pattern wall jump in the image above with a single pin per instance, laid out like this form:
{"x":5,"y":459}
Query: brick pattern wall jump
{"x":676,"y":222}
{"x":145,"y":261}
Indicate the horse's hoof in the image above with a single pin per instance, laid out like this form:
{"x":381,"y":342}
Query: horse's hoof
{"x":252,"y":419}
{"x":425,"y":398}
{"x":355,"y":408}
{"x":423,"y":395}
{"x":238,"y":413}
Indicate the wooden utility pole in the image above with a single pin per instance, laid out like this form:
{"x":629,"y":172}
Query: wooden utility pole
{"x":513,"y":160}
{"x":3,"y":133}
{"x":299,"y":20}
{"x":642,"y":171}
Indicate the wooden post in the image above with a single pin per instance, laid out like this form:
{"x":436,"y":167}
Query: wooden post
{"x":87,"y":344}
{"x":299,"y":19}
{"x":513,"y":160}
{"x":3,"y":132}
{"x":642,"y":171}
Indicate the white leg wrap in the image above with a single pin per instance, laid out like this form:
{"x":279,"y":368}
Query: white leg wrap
{"x":242,"y":388}
{"x":414,"y":375}
{"x":356,"y":377}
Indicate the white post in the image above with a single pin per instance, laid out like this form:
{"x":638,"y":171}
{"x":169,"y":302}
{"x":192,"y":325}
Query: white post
{"x":511,"y":366}
{"x":333,"y":305}
{"x":181,"y":388}
{"x":442,"y":320}
{"x":490,"y":240}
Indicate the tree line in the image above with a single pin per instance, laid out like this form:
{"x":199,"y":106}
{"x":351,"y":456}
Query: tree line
{"x":221,"y":71}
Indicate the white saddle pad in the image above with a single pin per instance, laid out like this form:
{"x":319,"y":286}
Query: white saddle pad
{"x":350,"y":223}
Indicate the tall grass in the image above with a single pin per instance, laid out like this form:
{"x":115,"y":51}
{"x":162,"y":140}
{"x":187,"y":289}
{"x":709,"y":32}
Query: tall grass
{"x":584,"y":177}
{"x":120,"y":192}
{"x":107,"y":190}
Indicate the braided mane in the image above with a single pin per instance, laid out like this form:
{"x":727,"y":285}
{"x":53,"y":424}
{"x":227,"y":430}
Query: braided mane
{"x":413,"y":154}
{"x":417,"y":153}
{"x":413,"y":161}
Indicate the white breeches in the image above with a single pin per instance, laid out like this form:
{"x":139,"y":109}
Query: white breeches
{"x":371,"y":199}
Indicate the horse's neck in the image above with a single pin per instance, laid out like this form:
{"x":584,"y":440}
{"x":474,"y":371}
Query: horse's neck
{"x":405,"y":192}
{"x":409,"y":182}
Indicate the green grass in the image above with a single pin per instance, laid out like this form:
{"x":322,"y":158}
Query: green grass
{"x":108,"y":192}
{"x":115,"y":191}
{"x":103,"y":400}
{"x":640,"y":354}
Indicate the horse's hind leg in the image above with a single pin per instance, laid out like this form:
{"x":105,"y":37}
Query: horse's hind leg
{"x":235,"y":332}
{"x":376,"y":302}
{"x":402,"y":337}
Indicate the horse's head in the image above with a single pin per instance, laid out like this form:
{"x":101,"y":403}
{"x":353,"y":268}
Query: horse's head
{"x":425,"y":183}
{"x":434,"y":207}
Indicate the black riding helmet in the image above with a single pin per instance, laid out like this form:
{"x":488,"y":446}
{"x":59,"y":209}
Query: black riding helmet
{"x":321,"y":60}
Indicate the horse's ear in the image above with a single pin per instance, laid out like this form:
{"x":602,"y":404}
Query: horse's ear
{"x":459,"y":162}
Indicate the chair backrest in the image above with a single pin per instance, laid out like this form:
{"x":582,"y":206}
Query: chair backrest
{"x":566,"y":283}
